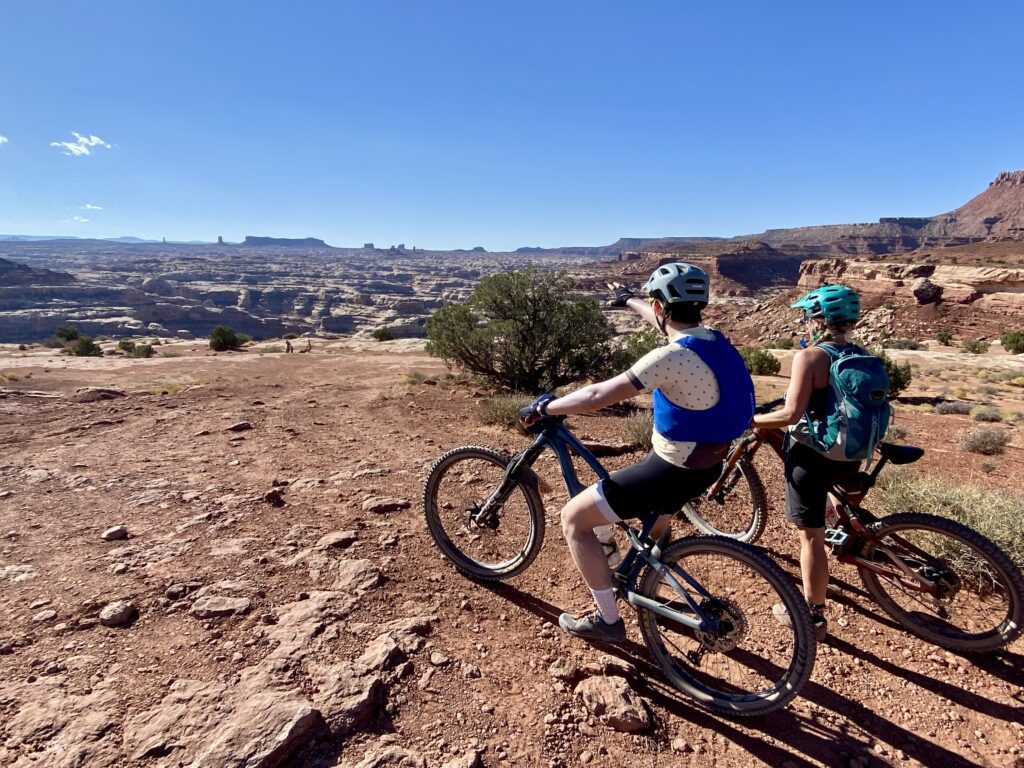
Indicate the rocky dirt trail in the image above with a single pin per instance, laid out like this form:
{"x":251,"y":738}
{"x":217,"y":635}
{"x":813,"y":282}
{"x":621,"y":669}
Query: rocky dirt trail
{"x":274,"y":598}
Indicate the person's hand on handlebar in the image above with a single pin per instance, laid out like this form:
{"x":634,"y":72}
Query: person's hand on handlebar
{"x":535,"y":411}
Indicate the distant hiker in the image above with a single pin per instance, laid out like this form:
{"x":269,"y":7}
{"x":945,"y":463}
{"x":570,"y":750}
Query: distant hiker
{"x":288,"y":346}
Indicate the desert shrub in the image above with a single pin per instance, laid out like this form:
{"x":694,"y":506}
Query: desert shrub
{"x":1013,"y":342}
{"x":988,"y":441}
{"x":640,"y":343}
{"x":223,"y":338}
{"x":945,"y":338}
{"x":269,"y":349}
{"x":290,"y":336}
{"x":503,"y":410}
{"x":66,"y":333}
{"x":995,"y":513}
{"x":524,"y":331}
{"x":637,"y":428}
{"x":8,"y":376}
{"x":986,"y":413}
{"x":413,"y":377}
{"x":783,"y":342}
{"x":759,"y":362}
{"x":957,"y":407}
{"x":896,"y":432}
{"x":169,"y":353}
{"x":903,"y":344}
{"x":84,"y":346}
{"x":382,"y":334}
{"x":1011,"y":418}
{"x":126,"y":346}
{"x":975,"y":346}
{"x":142,"y":351}
{"x":900,"y":374}
{"x":1017,"y":381}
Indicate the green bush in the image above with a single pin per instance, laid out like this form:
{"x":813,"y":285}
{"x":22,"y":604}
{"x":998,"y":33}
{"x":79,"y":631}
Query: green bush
{"x":383,"y":334}
{"x":958,"y":407}
{"x":640,"y":343}
{"x":126,"y":346}
{"x":66,"y":333}
{"x":945,"y":338}
{"x":988,"y":441}
{"x":524,"y":331}
{"x":1013,"y":342}
{"x":995,"y":513}
{"x":783,"y":342}
{"x":223,"y":338}
{"x":637,"y":429}
{"x":900,"y":374}
{"x":975,"y":346}
{"x":904,"y":344}
{"x":503,"y":410}
{"x":759,"y":362}
{"x":986,"y":413}
{"x":143,"y":351}
{"x":84,"y":346}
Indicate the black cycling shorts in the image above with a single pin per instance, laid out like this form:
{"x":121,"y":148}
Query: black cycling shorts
{"x":809,"y":476}
{"x":652,"y":485}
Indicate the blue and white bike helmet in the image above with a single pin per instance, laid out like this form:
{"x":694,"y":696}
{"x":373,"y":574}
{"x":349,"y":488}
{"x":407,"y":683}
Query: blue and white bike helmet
{"x":678,"y":282}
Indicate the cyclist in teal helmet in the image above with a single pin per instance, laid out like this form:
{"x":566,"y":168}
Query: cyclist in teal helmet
{"x":829,"y":313}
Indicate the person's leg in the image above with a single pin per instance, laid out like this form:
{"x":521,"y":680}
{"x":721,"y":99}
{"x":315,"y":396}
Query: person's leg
{"x":579,"y":519}
{"x":814,"y":565}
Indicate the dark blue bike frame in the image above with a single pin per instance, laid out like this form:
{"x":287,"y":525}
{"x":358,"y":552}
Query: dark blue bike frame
{"x":559,"y":439}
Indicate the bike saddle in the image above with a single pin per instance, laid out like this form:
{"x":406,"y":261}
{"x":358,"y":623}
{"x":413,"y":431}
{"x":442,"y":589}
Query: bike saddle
{"x":900,"y":454}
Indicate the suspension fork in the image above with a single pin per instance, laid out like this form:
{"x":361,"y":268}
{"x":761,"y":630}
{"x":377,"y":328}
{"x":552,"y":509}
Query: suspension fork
{"x":518,"y":470}
{"x":745,"y":448}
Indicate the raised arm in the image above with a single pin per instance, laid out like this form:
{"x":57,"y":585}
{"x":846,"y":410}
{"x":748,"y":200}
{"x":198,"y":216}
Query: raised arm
{"x":594,"y":396}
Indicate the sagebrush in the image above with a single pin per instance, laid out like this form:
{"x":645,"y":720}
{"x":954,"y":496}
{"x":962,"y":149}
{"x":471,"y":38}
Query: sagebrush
{"x":637,"y":429}
{"x":988,"y":441}
{"x":760,"y":362}
{"x":503,"y":410}
{"x":995,"y":513}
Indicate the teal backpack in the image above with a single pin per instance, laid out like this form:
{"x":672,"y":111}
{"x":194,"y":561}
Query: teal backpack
{"x":857,"y":416}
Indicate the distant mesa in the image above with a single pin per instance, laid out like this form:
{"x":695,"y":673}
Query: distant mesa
{"x":13,"y":273}
{"x":286,"y":242}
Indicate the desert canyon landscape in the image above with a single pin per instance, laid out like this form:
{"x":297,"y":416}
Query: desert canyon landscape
{"x":220,"y":559}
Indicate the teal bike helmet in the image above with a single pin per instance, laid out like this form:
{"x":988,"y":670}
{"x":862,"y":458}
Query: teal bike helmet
{"x":835,"y":304}
{"x":678,"y":282}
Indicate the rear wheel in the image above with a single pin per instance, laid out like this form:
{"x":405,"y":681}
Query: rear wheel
{"x":739,"y":510}
{"x":497,"y":544}
{"x":978,"y":602}
{"x":752,"y":664}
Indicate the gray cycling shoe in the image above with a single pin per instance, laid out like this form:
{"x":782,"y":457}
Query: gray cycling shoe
{"x":592,"y":627}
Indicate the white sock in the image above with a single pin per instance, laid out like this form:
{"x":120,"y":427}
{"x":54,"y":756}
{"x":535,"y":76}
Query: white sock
{"x":606,"y":605}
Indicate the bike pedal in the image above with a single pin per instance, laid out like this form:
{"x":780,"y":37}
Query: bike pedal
{"x":836,"y":537}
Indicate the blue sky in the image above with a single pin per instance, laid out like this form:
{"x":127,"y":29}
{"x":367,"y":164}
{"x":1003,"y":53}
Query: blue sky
{"x":456,"y":124}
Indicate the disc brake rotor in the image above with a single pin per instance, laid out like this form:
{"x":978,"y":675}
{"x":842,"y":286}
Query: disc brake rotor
{"x":732,"y":625}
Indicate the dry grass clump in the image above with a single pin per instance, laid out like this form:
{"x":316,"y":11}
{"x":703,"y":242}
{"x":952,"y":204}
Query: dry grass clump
{"x":8,"y":376}
{"x":637,"y":429}
{"x":957,"y":407}
{"x":988,"y":441}
{"x":986,"y":413}
{"x":995,"y":513}
{"x":503,"y":410}
{"x":413,"y":377}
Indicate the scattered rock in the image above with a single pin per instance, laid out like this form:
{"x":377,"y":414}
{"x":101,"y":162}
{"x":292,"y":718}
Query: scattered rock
{"x":336,"y":540}
{"x":92,"y":394}
{"x":239,"y":426}
{"x":614,"y":703}
{"x":391,"y":756}
{"x":382,"y":505}
{"x":216,"y":606}
{"x":381,"y":653}
{"x":438,"y":659}
{"x":46,"y":615}
{"x":181,"y":589}
{"x":357,"y":576}
{"x":564,"y":668}
{"x":925,"y":291}
{"x":117,"y":533}
{"x":679,"y":745}
{"x":470,"y":759}
{"x":119,"y":613}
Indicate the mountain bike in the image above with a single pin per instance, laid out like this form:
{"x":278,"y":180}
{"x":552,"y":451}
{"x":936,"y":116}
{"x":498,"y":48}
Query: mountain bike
{"x":936,"y":577}
{"x":704,"y":604}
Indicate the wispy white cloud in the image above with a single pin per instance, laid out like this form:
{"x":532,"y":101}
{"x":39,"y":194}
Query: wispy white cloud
{"x":76,"y":220}
{"x":4,"y":139}
{"x":82,"y":145}
{"x":91,"y":207}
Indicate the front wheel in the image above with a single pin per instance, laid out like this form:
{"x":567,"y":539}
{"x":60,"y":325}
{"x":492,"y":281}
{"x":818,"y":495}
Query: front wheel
{"x":750,"y":663}
{"x":944,"y":582}
{"x":486,"y":534}
{"x":739,"y":510}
